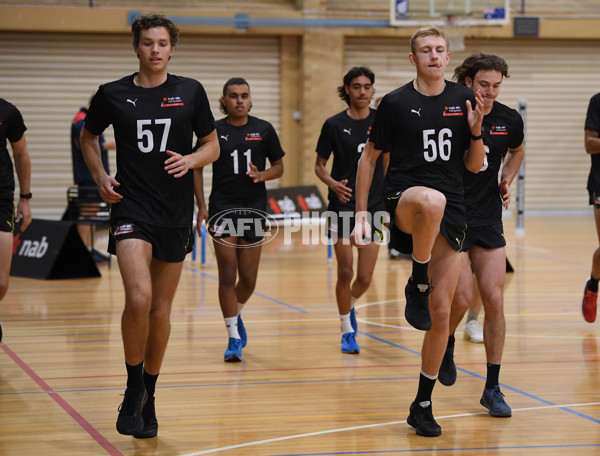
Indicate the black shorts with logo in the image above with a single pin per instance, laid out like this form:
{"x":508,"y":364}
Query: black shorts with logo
{"x":487,"y":236}
{"x":170,"y":245}
{"x":7,"y":216}
{"x":340,"y":222}
{"x":454,"y":233}
{"x":594,"y":199}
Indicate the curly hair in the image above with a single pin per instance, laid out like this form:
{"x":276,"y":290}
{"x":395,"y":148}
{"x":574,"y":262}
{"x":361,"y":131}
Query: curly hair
{"x":479,"y":61}
{"x":152,"y":20}
{"x":230,"y":82}
{"x":354,"y":72}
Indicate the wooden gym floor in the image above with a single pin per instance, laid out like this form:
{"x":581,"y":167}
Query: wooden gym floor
{"x":62,"y":371}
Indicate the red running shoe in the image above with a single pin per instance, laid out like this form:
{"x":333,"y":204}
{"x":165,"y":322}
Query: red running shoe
{"x":589,"y":304}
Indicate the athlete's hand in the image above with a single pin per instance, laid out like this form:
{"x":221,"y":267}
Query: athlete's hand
{"x":361,"y":234}
{"x":343,"y":193}
{"x":505,"y":193}
{"x":106,"y":186}
{"x":254,"y":173}
{"x":475,"y":116}
{"x":23,"y":213}
{"x":201,"y":218}
{"x":177,"y":165}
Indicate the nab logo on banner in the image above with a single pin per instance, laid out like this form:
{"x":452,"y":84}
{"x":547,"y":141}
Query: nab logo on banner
{"x":29,"y":248}
{"x":51,"y":250}
{"x":293,"y":201}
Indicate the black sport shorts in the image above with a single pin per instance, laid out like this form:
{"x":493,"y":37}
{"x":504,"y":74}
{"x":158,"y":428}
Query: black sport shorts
{"x":594,"y":199}
{"x":453,"y":232}
{"x":7,"y":216}
{"x":487,"y":236}
{"x":170,"y":245}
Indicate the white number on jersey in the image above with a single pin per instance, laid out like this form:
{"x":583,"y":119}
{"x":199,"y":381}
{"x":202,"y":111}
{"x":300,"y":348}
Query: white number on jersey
{"x":146,"y":143}
{"x":443,"y":146}
{"x":236,"y":166}
{"x":361,"y":147}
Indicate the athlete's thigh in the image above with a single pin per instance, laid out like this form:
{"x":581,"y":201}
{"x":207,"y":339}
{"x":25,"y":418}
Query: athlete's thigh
{"x":367,"y":258}
{"x":226,"y":254}
{"x":6,"y":249}
{"x":464,"y":286}
{"x":490,"y":269}
{"x":412,"y":202}
{"x":165,"y":278}
{"x":444,"y":269}
{"x":343,"y":253}
{"x":248,"y":257}
{"x":134,"y":257}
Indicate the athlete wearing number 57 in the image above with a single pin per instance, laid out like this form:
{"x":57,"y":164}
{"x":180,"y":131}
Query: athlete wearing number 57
{"x":237,"y":204}
{"x":155,"y":116}
{"x":432,"y":130}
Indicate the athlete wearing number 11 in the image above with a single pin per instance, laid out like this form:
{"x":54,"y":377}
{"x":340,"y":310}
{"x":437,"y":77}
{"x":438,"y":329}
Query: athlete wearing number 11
{"x":238,"y":201}
{"x":155,"y":116}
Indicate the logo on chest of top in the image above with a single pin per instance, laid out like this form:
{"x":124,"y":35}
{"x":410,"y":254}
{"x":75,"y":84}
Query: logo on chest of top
{"x":452,"y":111}
{"x":170,"y":102}
{"x":498,"y":130}
{"x":253,"y":137}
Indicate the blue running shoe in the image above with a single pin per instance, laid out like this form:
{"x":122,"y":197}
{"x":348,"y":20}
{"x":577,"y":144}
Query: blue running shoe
{"x":242,"y":331}
{"x":353,"y":321}
{"x":233,"y":354}
{"x":349,"y":344}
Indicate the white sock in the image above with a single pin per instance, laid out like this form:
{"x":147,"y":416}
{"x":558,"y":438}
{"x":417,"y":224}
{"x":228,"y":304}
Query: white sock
{"x":232,"y":328}
{"x":425,"y":404}
{"x":346,"y":327}
{"x":353,"y":301}
{"x":240,"y":307}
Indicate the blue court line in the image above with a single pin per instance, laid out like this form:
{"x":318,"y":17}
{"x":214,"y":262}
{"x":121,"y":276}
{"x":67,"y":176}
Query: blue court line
{"x":473,"y":374}
{"x":268,"y":298}
{"x":439,"y":450}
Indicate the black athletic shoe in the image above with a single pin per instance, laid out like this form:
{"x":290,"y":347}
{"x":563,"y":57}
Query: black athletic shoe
{"x":447,"y":374}
{"x":493,"y":400}
{"x":416,"y":311}
{"x":423,"y":421}
{"x":150,"y":428}
{"x":130,"y":421}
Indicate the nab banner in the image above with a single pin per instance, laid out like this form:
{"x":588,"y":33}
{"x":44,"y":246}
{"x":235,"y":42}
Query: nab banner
{"x":294,"y":201}
{"x":51,"y":250}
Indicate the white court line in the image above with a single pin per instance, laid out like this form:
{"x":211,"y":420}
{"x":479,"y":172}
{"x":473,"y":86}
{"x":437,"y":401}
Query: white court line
{"x":367,"y":426}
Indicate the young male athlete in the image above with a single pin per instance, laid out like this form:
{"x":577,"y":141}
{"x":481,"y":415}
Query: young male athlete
{"x":12,"y":129}
{"x":432,"y":129}
{"x":237,"y":204}
{"x":345,"y":135}
{"x":155,"y":116}
{"x":592,"y":147}
{"x":503,"y":135}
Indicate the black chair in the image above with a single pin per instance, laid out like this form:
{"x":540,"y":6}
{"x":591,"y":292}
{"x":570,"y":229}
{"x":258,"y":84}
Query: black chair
{"x":86,"y":207}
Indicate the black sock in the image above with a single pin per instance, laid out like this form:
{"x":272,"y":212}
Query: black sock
{"x":419,"y":272}
{"x":451,"y":340}
{"x":425,"y":389}
{"x":493,"y":372}
{"x":593,"y":284}
{"x":150,"y":382}
{"x":135,"y":378}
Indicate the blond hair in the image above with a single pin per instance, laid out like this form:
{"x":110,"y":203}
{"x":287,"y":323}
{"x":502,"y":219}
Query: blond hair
{"x":426,"y":31}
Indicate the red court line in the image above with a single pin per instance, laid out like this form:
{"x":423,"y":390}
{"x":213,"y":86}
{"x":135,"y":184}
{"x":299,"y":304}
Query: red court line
{"x":104,"y":443}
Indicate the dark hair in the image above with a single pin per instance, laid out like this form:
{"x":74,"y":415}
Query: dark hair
{"x":353,"y":73}
{"x":152,"y":20}
{"x":480,"y":61}
{"x":230,"y":82}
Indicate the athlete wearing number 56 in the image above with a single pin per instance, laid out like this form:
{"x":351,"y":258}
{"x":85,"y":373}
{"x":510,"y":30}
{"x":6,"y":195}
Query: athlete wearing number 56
{"x":155,"y":116}
{"x":237,"y":204}
{"x":432,"y":130}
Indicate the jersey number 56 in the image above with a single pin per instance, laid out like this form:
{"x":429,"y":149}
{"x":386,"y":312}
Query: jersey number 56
{"x":442,"y":147}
